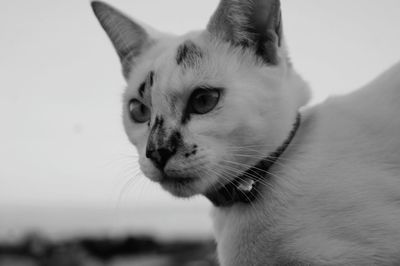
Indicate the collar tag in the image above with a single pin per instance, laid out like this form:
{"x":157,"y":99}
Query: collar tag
{"x":246,"y":185}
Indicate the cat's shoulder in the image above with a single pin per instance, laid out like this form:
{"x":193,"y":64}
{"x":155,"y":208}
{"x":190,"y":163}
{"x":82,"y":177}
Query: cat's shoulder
{"x":371,"y":112}
{"x":346,"y":166}
{"x":379,"y":98}
{"x":362,"y":126}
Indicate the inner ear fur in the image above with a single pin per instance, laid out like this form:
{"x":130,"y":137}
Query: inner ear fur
{"x":255,"y":24}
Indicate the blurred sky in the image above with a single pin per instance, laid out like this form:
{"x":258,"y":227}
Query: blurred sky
{"x":61,"y":138}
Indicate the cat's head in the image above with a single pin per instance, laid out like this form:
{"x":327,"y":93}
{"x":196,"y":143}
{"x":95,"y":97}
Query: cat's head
{"x":203,"y":107}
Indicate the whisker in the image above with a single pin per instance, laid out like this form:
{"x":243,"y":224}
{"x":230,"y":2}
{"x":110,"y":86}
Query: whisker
{"x":134,"y":179}
{"x":260,"y":153}
{"x":254,"y":176}
{"x":230,"y":177}
{"x":236,"y":173}
{"x":261,"y":145}
{"x":282,"y":195}
{"x":251,"y":166}
{"x":218,"y":181}
{"x":261,"y":158}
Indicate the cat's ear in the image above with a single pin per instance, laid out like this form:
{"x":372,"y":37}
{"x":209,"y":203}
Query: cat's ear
{"x":128,"y":37}
{"x":255,"y":24}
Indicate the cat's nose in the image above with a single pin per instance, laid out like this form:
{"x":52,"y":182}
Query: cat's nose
{"x":160,"y":156}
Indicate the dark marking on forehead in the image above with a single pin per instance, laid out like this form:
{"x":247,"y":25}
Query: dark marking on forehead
{"x":146,"y":84}
{"x":188,"y":54}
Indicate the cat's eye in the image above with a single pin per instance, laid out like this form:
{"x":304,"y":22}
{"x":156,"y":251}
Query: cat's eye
{"x":203,"y":100}
{"x":139,"y":112}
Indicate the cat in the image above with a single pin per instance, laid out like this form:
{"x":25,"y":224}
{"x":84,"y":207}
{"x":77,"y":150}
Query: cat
{"x":220,"y":112}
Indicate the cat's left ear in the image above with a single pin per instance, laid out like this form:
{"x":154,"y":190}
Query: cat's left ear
{"x":129,"y":38}
{"x":255,"y":24}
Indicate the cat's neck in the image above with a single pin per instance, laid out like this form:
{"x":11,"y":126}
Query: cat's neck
{"x":245,"y":189}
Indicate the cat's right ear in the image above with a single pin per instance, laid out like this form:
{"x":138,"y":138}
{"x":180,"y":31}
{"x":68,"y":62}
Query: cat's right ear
{"x":254,"y":24}
{"x":129,"y":38}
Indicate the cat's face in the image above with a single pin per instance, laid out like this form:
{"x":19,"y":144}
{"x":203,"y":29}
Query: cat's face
{"x":204,"y":107}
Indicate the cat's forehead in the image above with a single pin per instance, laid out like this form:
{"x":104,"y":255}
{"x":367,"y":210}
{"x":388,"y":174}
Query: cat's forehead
{"x":170,"y":69}
{"x":180,"y":68}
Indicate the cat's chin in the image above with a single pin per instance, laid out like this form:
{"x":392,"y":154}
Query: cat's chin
{"x":180,"y":187}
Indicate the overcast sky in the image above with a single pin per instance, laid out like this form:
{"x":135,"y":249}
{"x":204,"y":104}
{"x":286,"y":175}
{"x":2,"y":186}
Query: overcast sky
{"x":61,"y":138}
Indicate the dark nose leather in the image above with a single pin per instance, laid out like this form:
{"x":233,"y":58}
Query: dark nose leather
{"x":162,"y":144}
{"x":160,"y":156}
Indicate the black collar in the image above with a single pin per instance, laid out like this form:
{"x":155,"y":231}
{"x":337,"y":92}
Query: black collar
{"x":236,"y":191}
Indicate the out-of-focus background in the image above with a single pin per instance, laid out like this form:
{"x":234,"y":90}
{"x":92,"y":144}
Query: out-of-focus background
{"x":70,"y":185}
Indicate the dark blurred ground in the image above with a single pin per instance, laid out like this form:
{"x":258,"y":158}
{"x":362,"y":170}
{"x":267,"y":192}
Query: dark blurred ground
{"x":36,"y":250}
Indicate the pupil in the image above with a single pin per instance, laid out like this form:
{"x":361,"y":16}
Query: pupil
{"x":203,"y":99}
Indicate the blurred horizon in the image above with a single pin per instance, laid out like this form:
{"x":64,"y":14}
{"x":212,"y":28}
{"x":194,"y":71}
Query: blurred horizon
{"x":62,"y":140}
{"x":58,"y":223}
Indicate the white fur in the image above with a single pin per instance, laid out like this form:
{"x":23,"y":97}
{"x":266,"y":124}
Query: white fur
{"x":334,"y":196}
{"x":258,"y":101}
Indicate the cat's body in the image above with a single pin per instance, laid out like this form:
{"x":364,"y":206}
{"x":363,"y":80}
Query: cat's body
{"x":336,"y":198}
{"x":206,"y":110}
